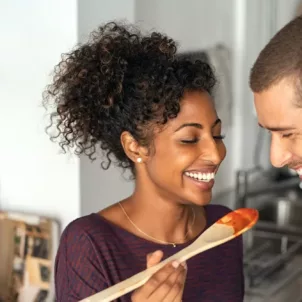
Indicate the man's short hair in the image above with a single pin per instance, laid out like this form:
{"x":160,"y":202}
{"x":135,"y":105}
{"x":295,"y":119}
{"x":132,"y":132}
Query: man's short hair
{"x":280,"y":59}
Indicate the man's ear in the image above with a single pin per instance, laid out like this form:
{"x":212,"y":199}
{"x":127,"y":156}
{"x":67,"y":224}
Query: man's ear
{"x":132,"y":148}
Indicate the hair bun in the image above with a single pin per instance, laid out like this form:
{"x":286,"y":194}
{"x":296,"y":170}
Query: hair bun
{"x":119,"y":81}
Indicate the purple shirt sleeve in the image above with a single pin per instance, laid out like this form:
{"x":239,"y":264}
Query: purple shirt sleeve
{"x":78,"y":273}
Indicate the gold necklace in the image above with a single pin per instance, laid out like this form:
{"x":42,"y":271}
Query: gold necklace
{"x":158,"y":240}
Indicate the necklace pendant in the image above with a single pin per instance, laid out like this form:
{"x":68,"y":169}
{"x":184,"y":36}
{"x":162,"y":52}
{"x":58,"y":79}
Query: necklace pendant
{"x":173,"y":244}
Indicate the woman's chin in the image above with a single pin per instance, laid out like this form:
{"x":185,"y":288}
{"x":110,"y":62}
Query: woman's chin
{"x":201,"y":200}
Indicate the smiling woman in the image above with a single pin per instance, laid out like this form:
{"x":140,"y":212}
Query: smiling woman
{"x":153,"y":113}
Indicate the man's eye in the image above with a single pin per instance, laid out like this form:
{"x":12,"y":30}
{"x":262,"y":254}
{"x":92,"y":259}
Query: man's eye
{"x":287,"y":135}
{"x":219,"y":137}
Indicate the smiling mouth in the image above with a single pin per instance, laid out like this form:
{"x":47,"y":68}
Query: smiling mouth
{"x":297,"y":169}
{"x":203,"y":177}
{"x":299,"y":172}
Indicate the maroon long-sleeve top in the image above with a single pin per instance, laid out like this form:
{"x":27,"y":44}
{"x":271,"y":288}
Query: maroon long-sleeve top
{"x":95,"y":254}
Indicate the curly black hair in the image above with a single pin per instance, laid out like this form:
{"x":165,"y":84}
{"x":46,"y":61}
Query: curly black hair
{"x":120,"y":80}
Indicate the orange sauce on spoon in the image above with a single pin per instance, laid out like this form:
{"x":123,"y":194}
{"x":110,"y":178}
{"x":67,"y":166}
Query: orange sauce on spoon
{"x":240,"y":219}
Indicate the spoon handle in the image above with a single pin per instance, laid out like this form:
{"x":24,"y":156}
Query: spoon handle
{"x":132,"y":283}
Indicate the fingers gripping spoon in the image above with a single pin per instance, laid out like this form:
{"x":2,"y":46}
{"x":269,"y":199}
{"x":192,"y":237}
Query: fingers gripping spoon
{"x":225,"y":229}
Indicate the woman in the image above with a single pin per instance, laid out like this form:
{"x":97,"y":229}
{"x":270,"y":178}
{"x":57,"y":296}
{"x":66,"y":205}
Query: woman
{"x":150,"y":112}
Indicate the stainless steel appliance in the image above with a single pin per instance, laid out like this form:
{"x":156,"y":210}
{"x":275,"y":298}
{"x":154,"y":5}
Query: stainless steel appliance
{"x":273,"y":249}
{"x":273,"y":267}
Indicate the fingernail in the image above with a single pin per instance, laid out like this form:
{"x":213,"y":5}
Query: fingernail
{"x":184,"y":264}
{"x":175,"y":264}
{"x":156,"y":253}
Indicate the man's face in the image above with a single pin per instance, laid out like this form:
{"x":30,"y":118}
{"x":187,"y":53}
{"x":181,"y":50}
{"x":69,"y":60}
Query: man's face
{"x":278,"y":112}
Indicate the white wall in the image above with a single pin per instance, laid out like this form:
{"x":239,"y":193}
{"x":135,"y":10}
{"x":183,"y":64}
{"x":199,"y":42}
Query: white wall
{"x":286,"y":10}
{"x":33,"y":176}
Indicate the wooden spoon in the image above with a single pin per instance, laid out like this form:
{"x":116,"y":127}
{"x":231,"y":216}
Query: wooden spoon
{"x":227,"y":228}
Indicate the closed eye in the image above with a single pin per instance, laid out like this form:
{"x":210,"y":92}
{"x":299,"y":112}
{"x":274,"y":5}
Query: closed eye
{"x":219,"y":137}
{"x":190,"y":141}
{"x":195,"y":140}
{"x":287,"y":135}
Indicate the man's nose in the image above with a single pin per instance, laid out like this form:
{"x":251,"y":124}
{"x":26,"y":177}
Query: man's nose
{"x":280,"y":154}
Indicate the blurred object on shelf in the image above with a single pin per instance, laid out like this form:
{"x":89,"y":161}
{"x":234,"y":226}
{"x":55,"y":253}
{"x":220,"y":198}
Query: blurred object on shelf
{"x":28,"y":246}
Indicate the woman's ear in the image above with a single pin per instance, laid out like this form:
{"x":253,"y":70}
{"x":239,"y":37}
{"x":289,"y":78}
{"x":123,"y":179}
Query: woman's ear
{"x":132,"y":148}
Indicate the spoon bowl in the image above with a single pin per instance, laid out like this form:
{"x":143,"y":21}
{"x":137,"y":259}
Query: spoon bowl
{"x":225,"y":229}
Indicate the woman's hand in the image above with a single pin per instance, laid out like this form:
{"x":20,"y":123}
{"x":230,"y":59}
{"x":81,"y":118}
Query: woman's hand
{"x":166,"y":285}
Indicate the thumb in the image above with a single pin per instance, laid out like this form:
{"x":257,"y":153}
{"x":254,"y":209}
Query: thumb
{"x":154,"y":258}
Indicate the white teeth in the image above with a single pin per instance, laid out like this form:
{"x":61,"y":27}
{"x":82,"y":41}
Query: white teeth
{"x":299,"y":172}
{"x":203,"y":176}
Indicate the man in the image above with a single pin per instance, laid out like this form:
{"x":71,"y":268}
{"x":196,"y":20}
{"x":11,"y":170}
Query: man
{"x":276,"y":81}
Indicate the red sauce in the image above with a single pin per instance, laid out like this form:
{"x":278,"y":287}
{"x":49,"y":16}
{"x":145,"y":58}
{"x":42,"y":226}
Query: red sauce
{"x":240,"y":219}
